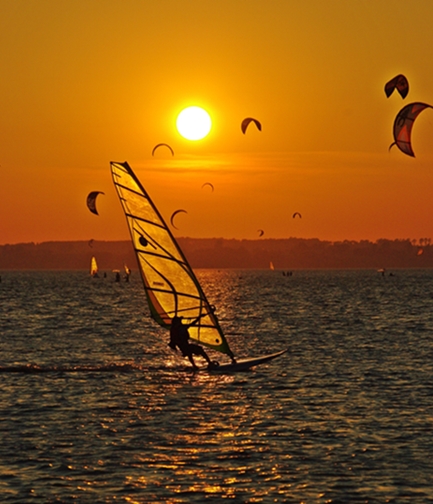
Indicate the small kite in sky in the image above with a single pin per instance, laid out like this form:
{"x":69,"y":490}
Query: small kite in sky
{"x":247,"y":121}
{"x":91,"y":201}
{"x":295,"y":214}
{"x":403,"y":124}
{"x":400,"y":83}
{"x":208,"y":184}
{"x":173,"y":216}
{"x":162,"y":145}
{"x":261,"y":232}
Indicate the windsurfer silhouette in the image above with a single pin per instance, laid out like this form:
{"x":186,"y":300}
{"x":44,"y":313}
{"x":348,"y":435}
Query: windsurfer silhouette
{"x":179,"y":337}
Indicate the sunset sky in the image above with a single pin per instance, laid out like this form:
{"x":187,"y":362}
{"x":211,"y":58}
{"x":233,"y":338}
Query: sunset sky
{"x":86,"y":82}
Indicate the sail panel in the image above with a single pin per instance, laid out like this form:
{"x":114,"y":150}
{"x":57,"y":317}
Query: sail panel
{"x":171,"y":287}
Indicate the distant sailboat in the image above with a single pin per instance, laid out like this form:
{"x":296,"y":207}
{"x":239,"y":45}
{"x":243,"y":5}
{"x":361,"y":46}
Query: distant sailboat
{"x":271,"y":266}
{"x":94,"y":267}
{"x":170,"y":284}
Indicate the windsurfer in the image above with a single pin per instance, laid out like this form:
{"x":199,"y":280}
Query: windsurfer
{"x":179,"y":337}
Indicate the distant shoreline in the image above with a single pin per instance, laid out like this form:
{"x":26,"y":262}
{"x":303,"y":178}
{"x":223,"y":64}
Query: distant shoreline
{"x":285,"y":254}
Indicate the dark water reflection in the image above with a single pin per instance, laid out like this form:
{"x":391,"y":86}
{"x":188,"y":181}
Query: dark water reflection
{"x":95,"y":408}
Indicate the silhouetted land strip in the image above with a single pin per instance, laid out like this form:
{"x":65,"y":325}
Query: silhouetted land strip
{"x":290,"y":253}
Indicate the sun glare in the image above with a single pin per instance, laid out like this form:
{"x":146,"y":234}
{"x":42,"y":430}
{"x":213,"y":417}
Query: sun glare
{"x":193,"y":123}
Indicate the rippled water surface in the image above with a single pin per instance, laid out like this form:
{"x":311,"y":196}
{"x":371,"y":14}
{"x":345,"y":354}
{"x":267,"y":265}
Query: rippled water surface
{"x":94,"y":406}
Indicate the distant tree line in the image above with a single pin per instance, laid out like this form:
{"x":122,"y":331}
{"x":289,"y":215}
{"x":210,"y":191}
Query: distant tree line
{"x":66,"y":255}
{"x":290,"y":253}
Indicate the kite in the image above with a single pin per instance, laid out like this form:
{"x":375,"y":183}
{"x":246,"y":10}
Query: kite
{"x":208,"y":184}
{"x":162,"y":145}
{"x":261,"y":232}
{"x":400,"y":82}
{"x":403,"y":124}
{"x":174,"y":214}
{"x":91,"y":201}
{"x":247,"y":121}
{"x":295,"y":214}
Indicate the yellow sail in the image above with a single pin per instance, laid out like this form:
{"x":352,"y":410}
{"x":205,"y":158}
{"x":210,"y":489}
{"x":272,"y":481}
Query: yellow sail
{"x":171,"y":287}
{"x":93,"y":267}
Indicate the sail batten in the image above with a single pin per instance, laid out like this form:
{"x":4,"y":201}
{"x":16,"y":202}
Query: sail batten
{"x":139,"y":219}
{"x":170,"y":284}
{"x":154,"y":254}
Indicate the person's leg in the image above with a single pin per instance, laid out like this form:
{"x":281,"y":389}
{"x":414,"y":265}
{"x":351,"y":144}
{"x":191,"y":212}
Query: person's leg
{"x":191,"y":359}
{"x":198,"y":350}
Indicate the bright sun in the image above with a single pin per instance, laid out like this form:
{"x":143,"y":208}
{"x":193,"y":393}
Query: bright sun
{"x":193,"y":123}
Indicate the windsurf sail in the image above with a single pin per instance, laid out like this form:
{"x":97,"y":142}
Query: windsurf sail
{"x":93,"y":267}
{"x":170,"y":284}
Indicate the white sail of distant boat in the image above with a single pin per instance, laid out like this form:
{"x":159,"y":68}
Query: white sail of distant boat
{"x":170,"y":284}
{"x":127,"y":272}
{"x":93,"y":267}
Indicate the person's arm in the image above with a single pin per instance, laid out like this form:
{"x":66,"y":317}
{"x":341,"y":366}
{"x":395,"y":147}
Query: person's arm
{"x":205,"y":314}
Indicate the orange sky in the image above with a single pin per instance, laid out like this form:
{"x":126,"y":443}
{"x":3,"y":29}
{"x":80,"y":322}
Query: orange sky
{"x":87,"y":82}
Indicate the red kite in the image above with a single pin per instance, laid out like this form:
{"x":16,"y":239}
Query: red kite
{"x":400,"y":83}
{"x":403,"y":124}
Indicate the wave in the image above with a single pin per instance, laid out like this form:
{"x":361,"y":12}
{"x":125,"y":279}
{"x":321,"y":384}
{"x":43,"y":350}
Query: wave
{"x":85,"y":368}
{"x":122,"y":367}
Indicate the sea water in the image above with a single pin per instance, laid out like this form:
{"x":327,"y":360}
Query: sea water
{"x":95,"y":407}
